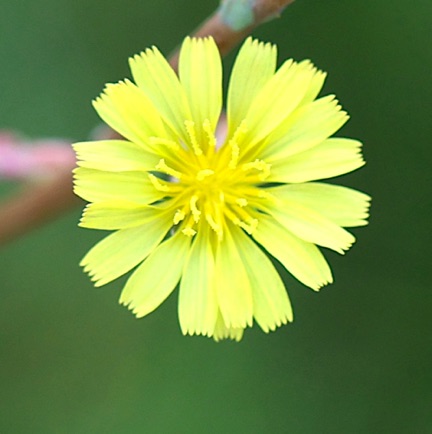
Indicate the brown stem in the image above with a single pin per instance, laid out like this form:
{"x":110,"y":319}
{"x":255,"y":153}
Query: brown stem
{"x":36,"y":205}
{"x":226,"y":37}
{"x":267,"y":9}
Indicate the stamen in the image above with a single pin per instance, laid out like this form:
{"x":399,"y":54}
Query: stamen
{"x":171,"y":144}
{"x":158,"y":185}
{"x":213,"y":216}
{"x":187,"y":230}
{"x":196,"y":213}
{"x":168,"y":170}
{"x":210,"y":135}
{"x":190,"y":128}
{"x":259,"y":165}
{"x":240,"y":131}
{"x":241,"y":201}
{"x":257,"y":193}
{"x":264,"y":194}
{"x":244,"y":215}
{"x":231,"y":216}
{"x":217,"y":228}
{"x":233,"y":144}
{"x":203,"y":174}
{"x":178,"y":217}
{"x":249,"y":228}
{"x":235,"y":152}
{"x":246,"y":222}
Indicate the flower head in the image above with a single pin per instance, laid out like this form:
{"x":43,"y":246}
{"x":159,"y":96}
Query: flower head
{"x":188,"y":208}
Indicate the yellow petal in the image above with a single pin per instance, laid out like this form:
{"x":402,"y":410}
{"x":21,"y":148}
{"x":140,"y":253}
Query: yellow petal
{"x":302,"y":259}
{"x":157,"y":276}
{"x":311,"y":226}
{"x":332,"y":157}
{"x":155,"y":77}
{"x":234,"y":292}
{"x":126,"y":109}
{"x":221,"y":331}
{"x":307,"y":127}
{"x":341,"y":205}
{"x":98,"y":186}
{"x":254,"y":66}
{"x":200,"y":71}
{"x":116,"y":215}
{"x":198,"y":307}
{"x":278,"y":98}
{"x":271,"y":305}
{"x":114,"y":156}
{"x":315,"y":85}
{"x":119,"y":252}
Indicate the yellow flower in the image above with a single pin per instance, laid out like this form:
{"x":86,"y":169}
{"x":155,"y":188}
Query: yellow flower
{"x":188,"y":209}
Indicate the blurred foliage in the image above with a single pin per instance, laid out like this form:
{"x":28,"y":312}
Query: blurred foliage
{"x":357,"y":359}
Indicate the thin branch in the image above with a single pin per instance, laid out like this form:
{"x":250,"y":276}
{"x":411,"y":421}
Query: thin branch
{"x":230,"y":24}
{"x":36,"y":205}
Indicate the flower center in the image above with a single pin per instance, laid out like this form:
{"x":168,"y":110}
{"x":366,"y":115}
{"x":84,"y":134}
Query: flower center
{"x":212,"y":186}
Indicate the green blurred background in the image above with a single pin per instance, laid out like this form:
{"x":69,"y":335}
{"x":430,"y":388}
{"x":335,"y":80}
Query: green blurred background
{"x":357,"y":359}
